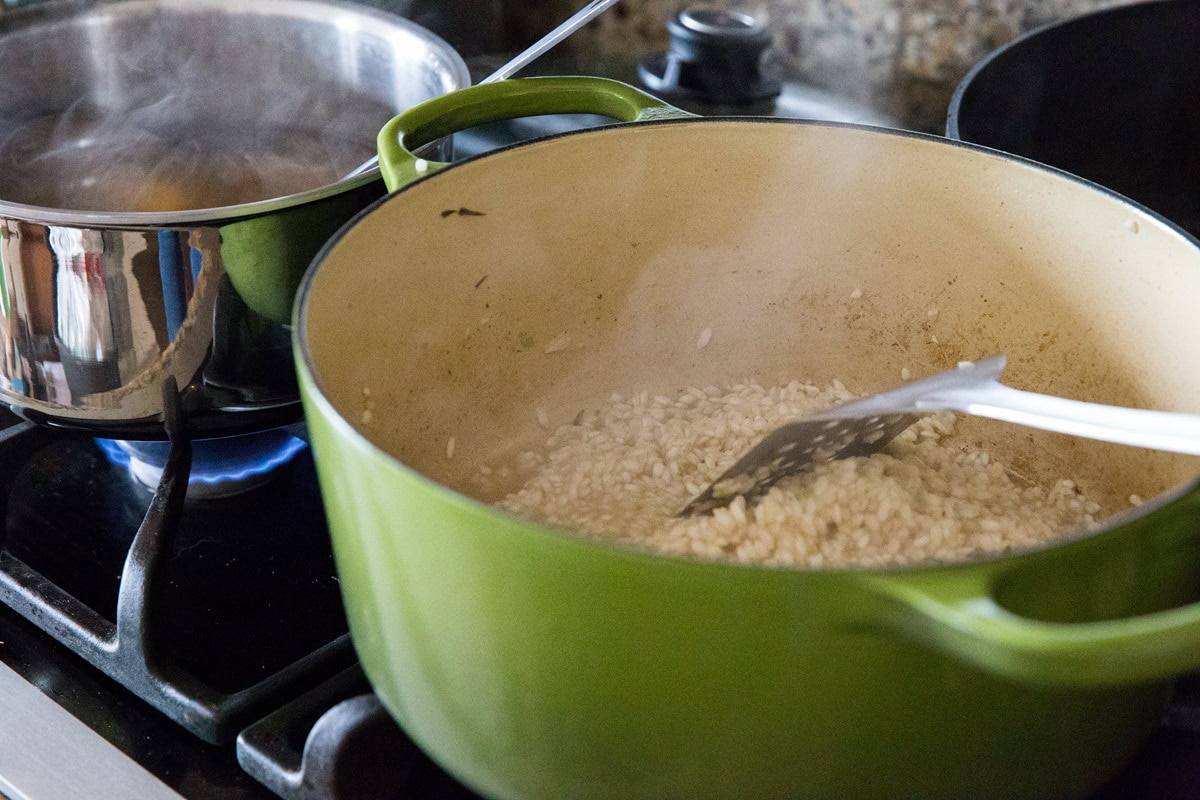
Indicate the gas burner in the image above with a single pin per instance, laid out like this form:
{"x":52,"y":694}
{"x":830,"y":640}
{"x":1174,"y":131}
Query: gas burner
{"x":220,"y":467}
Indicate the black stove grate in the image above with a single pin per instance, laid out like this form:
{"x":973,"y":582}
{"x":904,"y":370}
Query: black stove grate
{"x":338,"y":742}
{"x":213,"y":624}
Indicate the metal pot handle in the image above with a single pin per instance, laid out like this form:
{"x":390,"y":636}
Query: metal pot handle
{"x":505,"y":100}
{"x":960,"y":611}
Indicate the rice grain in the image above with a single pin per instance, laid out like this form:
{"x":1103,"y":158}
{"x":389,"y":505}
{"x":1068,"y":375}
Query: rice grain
{"x":623,"y":472}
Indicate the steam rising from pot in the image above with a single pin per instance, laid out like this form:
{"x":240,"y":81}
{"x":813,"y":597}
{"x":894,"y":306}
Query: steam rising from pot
{"x":144,"y":106}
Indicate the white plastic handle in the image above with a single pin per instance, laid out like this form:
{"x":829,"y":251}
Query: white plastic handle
{"x":1158,"y":430}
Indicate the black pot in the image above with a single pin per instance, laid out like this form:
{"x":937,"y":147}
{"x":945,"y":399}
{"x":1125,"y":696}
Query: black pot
{"x":1112,"y":96}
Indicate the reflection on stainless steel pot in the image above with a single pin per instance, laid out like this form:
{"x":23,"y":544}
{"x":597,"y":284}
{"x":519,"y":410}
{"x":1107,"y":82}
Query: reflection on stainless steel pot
{"x":167,"y":172}
{"x":87,"y":330}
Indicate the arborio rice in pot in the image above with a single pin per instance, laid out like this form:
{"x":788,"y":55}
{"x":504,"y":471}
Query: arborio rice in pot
{"x":624,"y":472}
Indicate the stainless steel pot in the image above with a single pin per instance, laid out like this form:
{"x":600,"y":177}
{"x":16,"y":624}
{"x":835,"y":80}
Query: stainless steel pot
{"x":100,"y":310}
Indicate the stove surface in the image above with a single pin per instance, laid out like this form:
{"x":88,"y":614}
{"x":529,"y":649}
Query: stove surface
{"x":195,"y":769}
{"x":248,"y":588}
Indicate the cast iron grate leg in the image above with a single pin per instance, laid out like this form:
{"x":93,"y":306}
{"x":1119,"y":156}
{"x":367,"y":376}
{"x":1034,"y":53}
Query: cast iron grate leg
{"x":127,"y":651}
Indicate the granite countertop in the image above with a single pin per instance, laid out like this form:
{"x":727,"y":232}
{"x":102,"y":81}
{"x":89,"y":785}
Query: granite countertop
{"x":902,"y":57}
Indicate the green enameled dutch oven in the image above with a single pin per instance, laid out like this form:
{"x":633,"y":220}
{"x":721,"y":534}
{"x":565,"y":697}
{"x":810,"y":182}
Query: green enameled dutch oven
{"x":534,"y":664}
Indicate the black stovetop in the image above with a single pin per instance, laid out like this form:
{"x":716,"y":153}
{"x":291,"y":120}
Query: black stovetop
{"x":248,"y":588}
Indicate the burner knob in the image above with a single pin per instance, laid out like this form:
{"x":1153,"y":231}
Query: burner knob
{"x":714,"y":58}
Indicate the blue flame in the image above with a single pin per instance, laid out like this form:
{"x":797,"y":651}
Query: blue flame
{"x":112,"y":449}
{"x":214,"y":461}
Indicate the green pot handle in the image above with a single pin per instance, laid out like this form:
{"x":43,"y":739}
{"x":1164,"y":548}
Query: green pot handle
{"x":504,"y":100}
{"x":957,"y":611}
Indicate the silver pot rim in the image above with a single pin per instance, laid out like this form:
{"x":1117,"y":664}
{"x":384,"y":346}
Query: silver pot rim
{"x":158,"y":219}
{"x":167,"y":219}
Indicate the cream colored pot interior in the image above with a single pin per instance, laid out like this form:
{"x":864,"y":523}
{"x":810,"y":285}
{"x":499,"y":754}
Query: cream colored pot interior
{"x":625,"y":244}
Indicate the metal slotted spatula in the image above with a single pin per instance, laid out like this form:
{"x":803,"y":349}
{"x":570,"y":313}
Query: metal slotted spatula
{"x":863,"y":427}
